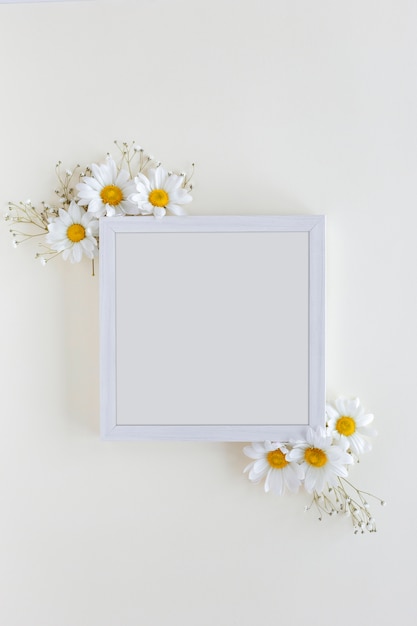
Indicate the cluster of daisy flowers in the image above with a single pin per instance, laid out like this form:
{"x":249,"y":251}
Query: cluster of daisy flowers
{"x":320,"y":464}
{"x":136,"y":184}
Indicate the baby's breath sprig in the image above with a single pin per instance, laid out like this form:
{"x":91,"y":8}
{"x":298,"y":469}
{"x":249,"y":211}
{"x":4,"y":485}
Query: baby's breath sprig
{"x":137,"y":161}
{"x":131,"y":185}
{"x":186,"y":183}
{"x":28,"y":220}
{"x":346,"y":499}
{"x":134,"y":158}
{"x":65,"y":191}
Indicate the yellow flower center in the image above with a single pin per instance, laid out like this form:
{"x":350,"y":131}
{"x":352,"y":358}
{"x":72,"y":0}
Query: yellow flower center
{"x":345,"y":425}
{"x":76,"y":233}
{"x":276,"y":459}
{"x":315,"y":457}
{"x":158,"y":197}
{"x":111,"y":194}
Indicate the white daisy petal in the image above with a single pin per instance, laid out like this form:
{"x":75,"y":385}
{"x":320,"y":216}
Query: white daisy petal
{"x":293,"y":475}
{"x":271,"y":462}
{"x":181,"y":196}
{"x":65,"y":217}
{"x":260,"y":465}
{"x":252,"y":452}
{"x":267,"y":485}
{"x":158,"y":191}
{"x":72,"y":234}
{"x":257,"y":476}
{"x":341,"y":405}
{"x":295,"y":455}
{"x":323,"y":460}
{"x":172,"y":183}
{"x":352,"y":407}
{"x":77,"y":253}
{"x":364,"y":419}
{"x":348,"y":424}
{"x":176,"y":209}
{"x":310,"y":479}
{"x":107,"y":191}
{"x":159,"y":212}
{"x":331,"y":412}
{"x":159,"y":177}
{"x":277,"y":482}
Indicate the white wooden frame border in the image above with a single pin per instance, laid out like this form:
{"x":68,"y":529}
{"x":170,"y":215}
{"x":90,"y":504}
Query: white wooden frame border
{"x":109,"y":227}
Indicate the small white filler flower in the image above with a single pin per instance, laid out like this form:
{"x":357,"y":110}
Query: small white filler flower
{"x":73,"y":233}
{"x":107,"y":191}
{"x":348,"y":422}
{"x":160,"y":192}
{"x":270,"y":462}
{"x":321,"y":461}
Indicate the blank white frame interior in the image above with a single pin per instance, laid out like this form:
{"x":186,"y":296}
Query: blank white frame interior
{"x":212,"y":328}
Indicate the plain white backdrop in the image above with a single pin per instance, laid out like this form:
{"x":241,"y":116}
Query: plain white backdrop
{"x":287,"y":107}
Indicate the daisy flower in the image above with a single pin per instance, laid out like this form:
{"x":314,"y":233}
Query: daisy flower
{"x":160,"y":192}
{"x":73,"y":233}
{"x":106,"y":192}
{"x":270,"y":462}
{"x":321,"y":462}
{"x":348,"y":423}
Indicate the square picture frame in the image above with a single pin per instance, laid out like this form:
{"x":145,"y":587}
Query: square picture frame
{"x":212,"y":328}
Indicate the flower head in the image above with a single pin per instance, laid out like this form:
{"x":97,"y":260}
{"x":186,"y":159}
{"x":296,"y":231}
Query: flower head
{"x":270,"y":462}
{"x":321,"y":460}
{"x":73,"y":233}
{"x":107,"y":191}
{"x":159,"y":192}
{"x":348,"y":423}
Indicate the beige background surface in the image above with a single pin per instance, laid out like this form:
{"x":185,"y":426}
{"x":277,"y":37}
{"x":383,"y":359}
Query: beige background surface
{"x":286,"y":107}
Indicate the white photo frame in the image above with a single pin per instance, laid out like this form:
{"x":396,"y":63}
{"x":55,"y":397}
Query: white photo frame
{"x":212,"y":328}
